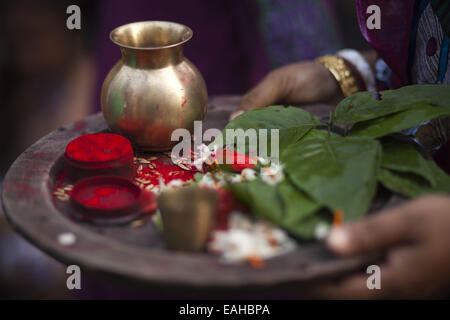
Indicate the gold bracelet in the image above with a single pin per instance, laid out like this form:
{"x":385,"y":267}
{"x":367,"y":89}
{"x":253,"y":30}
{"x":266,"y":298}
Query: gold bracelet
{"x":341,"y":73}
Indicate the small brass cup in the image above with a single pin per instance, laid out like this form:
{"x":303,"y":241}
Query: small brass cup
{"x":188,"y":217}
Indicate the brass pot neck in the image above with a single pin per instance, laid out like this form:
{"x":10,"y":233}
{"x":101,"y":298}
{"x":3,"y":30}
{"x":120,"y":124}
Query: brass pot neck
{"x":152,"y":58}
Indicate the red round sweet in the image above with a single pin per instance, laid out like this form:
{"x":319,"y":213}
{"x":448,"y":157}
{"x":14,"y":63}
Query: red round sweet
{"x":99,"y":154}
{"x":99,"y":148}
{"x":107,"y":196}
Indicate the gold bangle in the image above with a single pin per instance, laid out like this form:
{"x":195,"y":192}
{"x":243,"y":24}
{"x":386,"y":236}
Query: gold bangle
{"x":341,"y":73}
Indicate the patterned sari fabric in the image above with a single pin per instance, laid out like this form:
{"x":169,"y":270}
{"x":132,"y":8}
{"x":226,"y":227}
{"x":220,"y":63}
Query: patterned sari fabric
{"x":414,"y":43}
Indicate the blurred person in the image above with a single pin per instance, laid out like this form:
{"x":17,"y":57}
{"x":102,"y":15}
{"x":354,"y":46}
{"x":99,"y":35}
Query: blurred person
{"x":412,"y":47}
{"x":47,"y":71}
{"x":46,"y":79}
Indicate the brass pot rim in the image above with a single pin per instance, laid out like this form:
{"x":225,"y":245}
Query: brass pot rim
{"x":187,"y":37}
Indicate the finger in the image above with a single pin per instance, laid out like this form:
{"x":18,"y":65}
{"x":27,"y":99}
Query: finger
{"x":266,"y":93}
{"x":374,"y":233}
{"x":236,"y":113}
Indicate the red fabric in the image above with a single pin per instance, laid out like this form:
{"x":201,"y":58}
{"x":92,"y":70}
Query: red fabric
{"x":392,"y":40}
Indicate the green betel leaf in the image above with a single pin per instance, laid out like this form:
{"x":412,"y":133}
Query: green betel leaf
{"x":266,"y":202}
{"x":403,"y":157}
{"x":397,"y":122}
{"x":404,"y":183}
{"x":293,"y":123}
{"x":412,"y":185}
{"x":317,"y":134}
{"x":364,"y":106}
{"x":242,"y":192}
{"x":442,"y":179}
{"x":306,"y":228}
{"x":297,"y":205}
{"x":283,"y":205}
{"x":338,"y":172}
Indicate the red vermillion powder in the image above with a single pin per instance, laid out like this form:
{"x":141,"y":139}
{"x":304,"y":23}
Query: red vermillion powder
{"x":163,"y":168}
{"x":98,"y":148}
{"x":160,"y":168}
{"x":106,"y":194}
{"x":108,"y":197}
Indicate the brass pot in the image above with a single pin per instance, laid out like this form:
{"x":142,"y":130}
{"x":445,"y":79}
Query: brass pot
{"x":153,"y":89}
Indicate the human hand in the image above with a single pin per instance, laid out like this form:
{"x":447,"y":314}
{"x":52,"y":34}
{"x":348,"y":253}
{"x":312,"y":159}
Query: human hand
{"x":298,"y":83}
{"x":416,"y":239}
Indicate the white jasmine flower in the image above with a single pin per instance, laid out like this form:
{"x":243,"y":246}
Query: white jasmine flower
{"x":246,"y":238}
{"x":248,"y":174}
{"x":176,"y":183}
{"x":156,"y":190}
{"x":66,"y":238}
{"x":200,"y":157}
{"x":239,"y":221}
{"x":198,"y":164}
{"x":321,"y":231}
{"x":214,"y":149}
{"x":263,"y":161}
{"x":207,"y":181}
{"x":234,"y":244}
{"x":159,"y":188}
{"x":272,"y":175}
{"x":236,"y":178}
{"x":203,"y":150}
{"x":203,"y":154}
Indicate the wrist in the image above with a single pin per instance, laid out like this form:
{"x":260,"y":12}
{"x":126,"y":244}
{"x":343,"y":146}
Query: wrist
{"x":342,"y":73}
{"x":330,"y":89}
{"x":361,"y":68}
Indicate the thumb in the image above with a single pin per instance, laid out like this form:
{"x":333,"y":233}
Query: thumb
{"x":374,"y":233}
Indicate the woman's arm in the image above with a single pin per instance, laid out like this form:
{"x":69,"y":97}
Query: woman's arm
{"x":298,"y":83}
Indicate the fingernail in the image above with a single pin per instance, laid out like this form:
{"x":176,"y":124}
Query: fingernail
{"x":235,"y":114}
{"x":338,"y":238}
